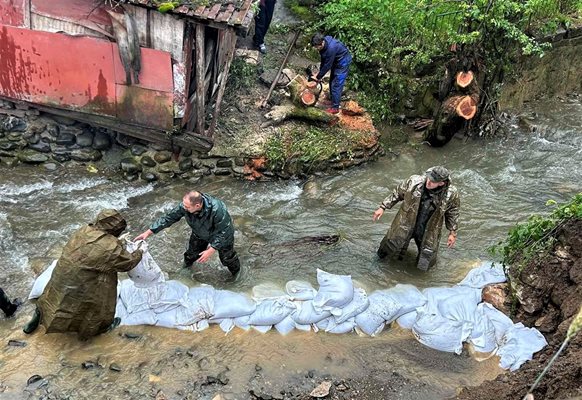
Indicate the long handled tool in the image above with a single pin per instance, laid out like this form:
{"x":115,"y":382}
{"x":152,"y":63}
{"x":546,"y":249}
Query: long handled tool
{"x":264,"y":102}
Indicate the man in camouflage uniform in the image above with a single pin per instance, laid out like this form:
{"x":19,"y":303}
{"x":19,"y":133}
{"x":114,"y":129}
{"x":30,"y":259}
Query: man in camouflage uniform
{"x":82,"y":292}
{"x":427,"y":202}
{"x":212,"y":230}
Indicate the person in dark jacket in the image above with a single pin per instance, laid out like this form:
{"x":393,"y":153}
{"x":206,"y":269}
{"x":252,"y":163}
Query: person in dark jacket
{"x":8,"y":306}
{"x":212,"y":230}
{"x":428,"y":202}
{"x":262,"y":23}
{"x":81,"y":294}
{"x":335,"y":57}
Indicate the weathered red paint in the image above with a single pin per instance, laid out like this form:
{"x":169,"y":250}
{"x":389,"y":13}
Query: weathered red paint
{"x":12,"y":12}
{"x":80,"y":73}
{"x":72,"y":10}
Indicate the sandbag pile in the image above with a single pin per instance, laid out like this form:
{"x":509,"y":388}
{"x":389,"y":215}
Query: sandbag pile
{"x":442,"y":318}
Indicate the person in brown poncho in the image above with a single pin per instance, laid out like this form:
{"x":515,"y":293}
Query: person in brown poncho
{"x":82,"y":292}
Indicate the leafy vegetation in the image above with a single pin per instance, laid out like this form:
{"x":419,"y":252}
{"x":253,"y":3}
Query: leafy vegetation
{"x":537,"y":234}
{"x":241,"y":75}
{"x":311,"y":146}
{"x":388,"y":38}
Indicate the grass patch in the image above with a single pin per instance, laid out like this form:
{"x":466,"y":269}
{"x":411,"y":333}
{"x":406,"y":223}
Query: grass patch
{"x":241,"y":75}
{"x":311,"y":146}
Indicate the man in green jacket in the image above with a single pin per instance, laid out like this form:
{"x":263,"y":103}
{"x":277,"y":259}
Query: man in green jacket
{"x":427,"y":202}
{"x":212,"y":230}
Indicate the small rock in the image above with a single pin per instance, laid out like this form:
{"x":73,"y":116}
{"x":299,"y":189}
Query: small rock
{"x":101,"y":141}
{"x":16,"y":343}
{"x":185,"y":164}
{"x":86,"y":155}
{"x":204,"y":363}
{"x":227,"y":163}
{"x":41,"y":147}
{"x":129,"y":166}
{"x":65,"y":139}
{"x":222,"y":171}
{"x":148,"y":161}
{"x":322,"y":390}
{"x":61,"y":158}
{"x":8,"y":146}
{"x":88,"y":365}
{"x":50,"y":166}
{"x":161,"y":396}
{"x":85,"y":139}
{"x":154,"y":378}
{"x":33,"y":379}
{"x":149,"y":176}
{"x":115,"y":367}
{"x":33,"y":139}
{"x":258,"y":368}
{"x":32,"y":157}
{"x":162,"y":157}
{"x":311,"y":373}
{"x":222,"y":378}
{"x":137,"y":150}
{"x":53,"y":130}
{"x":14,"y":124}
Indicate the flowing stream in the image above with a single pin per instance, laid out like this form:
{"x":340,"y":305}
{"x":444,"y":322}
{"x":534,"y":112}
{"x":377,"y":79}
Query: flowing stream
{"x":501,"y":183}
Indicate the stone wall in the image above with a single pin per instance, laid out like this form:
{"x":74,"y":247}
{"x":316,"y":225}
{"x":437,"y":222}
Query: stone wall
{"x":28,"y":136}
{"x":557,"y":73}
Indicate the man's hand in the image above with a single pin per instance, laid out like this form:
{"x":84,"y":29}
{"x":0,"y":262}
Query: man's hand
{"x":206,"y":254}
{"x":452,"y":239}
{"x":144,"y":235}
{"x":378,"y":213}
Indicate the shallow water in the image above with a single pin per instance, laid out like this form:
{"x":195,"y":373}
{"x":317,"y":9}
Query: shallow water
{"x":501,"y":183}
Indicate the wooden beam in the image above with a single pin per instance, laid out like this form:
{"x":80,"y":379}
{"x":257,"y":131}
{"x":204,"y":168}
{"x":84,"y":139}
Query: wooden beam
{"x":200,"y":76}
{"x":231,"y":42}
{"x":188,"y":34}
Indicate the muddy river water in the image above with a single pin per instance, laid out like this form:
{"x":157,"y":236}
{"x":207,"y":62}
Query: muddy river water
{"x":501,"y":183}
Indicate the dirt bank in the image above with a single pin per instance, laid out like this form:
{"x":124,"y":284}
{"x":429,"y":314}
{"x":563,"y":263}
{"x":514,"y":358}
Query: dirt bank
{"x":549,"y":289}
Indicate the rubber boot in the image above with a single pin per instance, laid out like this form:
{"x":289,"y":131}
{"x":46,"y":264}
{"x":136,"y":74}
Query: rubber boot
{"x":9,"y":307}
{"x":114,"y":324}
{"x":33,"y":323}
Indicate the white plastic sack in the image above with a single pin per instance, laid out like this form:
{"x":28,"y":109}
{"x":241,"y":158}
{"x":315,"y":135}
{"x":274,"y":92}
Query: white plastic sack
{"x":147,"y":272}
{"x":358,"y":305}
{"x":440,"y":333}
{"x":201,"y":299}
{"x":335,"y":291}
{"x":407,"y":320}
{"x":500,"y":321}
{"x":408,"y":296}
{"x":226,"y":325}
{"x":382,"y":309}
{"x":242,"y":322}
{"x":285,"y":326}
{"x":120,"y":311}
{"x":518,"y":346}
{"x":436,"y":295}
{"x":159,"y":297}
{"x":42,"y":280}
{"x":300,"y":290}
{"x":271,"y":312}
{"x":262,"y":328}
{"x":145,"y":317}
{"x":486,"y":274}
{"x":307,"y":314}
{"x":229,"y":304}
{"x":329,"y":325}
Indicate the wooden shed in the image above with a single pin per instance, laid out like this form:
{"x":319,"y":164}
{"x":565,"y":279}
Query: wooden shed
{"x":123,"y":65}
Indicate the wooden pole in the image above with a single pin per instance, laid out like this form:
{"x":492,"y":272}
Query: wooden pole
{"x":264,"y":103}
{"x":200,"y":76}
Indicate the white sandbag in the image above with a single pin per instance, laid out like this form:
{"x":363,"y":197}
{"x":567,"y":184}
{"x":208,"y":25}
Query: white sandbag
{"x":329,"y":325}
{"x":335,"y":291}
{"x":285,"y":326}
{"x":201,"y":298}
{"x":519,"y":345}
{"x":147,"y":272}
{"x":300,"y":290}
{"x":159,"y":297}
{"x":42,"y":280}
{"x":145,"y":317}
{"x":407,"y":296}
{"x":242,"y":322}
{"x":180,"y":316}
{"x":306,"y":313}
{"x":303,"y":327}
{"x":440,"y":333}
{"x":226,"y":325}
{"x":486,"y":274}
{"x":500,"y":321}
{"x":358,"y":305}
{"x":437,"y":295}
{"x":459,"y":307}
{"x":482,"y":335}
{"x":229,"y":304}
{"x":382,"y":309}
{"x":407,"y":320}
{"x":271,"y":312}
{"x":268,"y":290}
{"x":120,"y":311}
{"x":262,"y":328}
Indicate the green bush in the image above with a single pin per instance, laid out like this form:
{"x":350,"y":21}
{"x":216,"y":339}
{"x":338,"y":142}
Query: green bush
{"x":537,"y":234}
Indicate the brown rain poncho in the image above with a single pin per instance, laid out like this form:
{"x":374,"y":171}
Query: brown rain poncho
{"x":82,"y":292}
{"x":402,"y":228}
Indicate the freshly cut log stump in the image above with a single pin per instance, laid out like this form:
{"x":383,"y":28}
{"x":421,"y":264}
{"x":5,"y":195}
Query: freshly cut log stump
{"x":464,"y":79}
{"x":463,"y":106}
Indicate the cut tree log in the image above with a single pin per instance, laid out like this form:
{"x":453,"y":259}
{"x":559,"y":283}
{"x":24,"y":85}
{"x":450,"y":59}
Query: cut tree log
{"x":303,"y":92}
{"x":464,"y":79}
{"x":463,"y":106}
{"x":283,"y":112}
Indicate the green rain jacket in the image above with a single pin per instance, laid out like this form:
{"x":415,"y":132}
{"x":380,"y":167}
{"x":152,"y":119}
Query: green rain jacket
{"x":82,"y":292}
{"x":212,"y":224}
{"x":400,"y":233}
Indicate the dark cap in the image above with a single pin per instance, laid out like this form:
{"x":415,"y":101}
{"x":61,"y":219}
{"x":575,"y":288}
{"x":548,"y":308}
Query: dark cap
{"x":438,"y":174}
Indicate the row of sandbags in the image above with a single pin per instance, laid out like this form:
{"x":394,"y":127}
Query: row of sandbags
{"x":442,"y":318}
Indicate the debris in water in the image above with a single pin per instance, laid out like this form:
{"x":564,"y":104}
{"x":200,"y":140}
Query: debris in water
{"x":16,"y":343}
{"x":322,"y":390}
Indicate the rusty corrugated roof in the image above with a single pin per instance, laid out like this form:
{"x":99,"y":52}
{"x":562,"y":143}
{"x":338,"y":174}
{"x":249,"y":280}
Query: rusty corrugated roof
{"x":235,"y":13}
